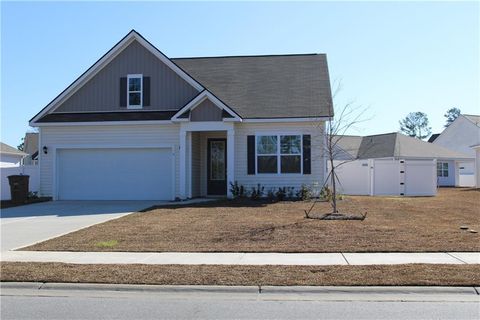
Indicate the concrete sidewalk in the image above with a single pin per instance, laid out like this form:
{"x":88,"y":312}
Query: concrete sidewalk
{"x":234,"y":258}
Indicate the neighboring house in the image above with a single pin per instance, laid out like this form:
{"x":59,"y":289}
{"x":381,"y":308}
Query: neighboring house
{"x":139,"y":125}
{"x":30,"y":147}
{"x":460,"y":136}
{"x":477,"y":164}
{"x":10,"y":156}
{"x":391,"y":164}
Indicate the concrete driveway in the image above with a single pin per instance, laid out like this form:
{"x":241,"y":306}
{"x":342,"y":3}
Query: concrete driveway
{"x":26,"y":225}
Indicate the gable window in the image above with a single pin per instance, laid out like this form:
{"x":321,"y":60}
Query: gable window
{"x":442,"y":169}
{"x":279,"y":154}
{"x":134,"y":91}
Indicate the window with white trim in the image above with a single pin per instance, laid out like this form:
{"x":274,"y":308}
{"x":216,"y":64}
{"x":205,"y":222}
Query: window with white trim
{"x":442,"y":169}
{"x":279,"y":154}
{"x":134,"y":91}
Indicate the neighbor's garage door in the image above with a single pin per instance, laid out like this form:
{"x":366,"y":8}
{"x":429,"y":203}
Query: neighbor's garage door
{"x":114,"y":174}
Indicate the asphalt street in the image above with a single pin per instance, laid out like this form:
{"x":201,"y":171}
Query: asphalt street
{"x":172,"y":304}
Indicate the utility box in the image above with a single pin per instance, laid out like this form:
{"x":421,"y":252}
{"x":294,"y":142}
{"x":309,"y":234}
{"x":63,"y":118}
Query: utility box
{"x":18,"y":188}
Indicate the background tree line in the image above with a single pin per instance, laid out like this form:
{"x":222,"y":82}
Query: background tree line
{"x":416,"y":124}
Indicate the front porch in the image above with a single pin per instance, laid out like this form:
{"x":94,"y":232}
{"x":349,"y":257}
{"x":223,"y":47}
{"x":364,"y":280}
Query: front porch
{"x":207,"y":153}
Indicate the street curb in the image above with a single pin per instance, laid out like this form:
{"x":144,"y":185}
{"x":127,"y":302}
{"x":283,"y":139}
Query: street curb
{"x":430,"y":290}
{"x":264,"y":290}
{"x":129,"y":287}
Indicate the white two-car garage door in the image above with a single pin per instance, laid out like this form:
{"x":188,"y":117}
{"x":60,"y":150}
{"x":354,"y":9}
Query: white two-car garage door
{"x":115,"y":174}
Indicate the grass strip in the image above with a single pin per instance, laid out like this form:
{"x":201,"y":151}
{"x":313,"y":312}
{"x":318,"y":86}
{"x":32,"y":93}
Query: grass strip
{"x":376,"y":275}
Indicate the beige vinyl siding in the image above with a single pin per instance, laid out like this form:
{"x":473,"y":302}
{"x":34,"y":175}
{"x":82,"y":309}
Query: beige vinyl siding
{"x":168,"y":91}
{"x":269,"y":181}
{"x":168,"y":134}
{"x":108,"y":136}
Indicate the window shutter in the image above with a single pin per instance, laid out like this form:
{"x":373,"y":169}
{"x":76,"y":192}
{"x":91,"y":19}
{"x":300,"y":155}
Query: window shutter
{"x":251,"y":154}
{"x":123,"y":91}
{"x":146,"y":91}
{"x":307,"y":159}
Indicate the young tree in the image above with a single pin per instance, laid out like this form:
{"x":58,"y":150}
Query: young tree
{"x":346,"y":117}
{"x":415,"y":124}
{"x":451,"y":115}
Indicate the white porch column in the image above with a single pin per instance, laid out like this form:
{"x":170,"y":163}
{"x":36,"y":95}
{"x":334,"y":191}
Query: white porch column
{"x":230,"y":160}
{"x":183,"y":164}
{"x":189,"y":164}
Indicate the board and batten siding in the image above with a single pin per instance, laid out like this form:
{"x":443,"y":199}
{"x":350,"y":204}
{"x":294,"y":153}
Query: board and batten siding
{"x":102,"y":136}
{"x":206,"y":111}
{"x":168,"y":91}
{"x":270,"y":181}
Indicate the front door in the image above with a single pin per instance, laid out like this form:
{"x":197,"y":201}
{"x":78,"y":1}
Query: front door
{"x":217,"y":167}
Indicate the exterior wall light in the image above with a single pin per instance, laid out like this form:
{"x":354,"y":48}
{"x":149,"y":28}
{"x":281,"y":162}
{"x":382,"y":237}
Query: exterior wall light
{"x":45,"y":149}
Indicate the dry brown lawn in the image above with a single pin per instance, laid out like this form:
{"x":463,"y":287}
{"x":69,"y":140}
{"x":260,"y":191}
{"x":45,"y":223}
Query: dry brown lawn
{"x":392,"y":224}
{"x":385,"y":275}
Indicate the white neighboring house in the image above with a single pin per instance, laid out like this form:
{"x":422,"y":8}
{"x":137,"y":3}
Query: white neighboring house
{"x":139,"y":125}
{"x":10,"y":156}
{"x":390,"y":164}
{"x":11,"y":163}
{"x":460,"y":136}
{"x":477,"y":164}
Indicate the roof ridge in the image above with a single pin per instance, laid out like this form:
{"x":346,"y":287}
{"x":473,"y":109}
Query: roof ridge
{"x":253,"y":56}
{"x":382,"y":134}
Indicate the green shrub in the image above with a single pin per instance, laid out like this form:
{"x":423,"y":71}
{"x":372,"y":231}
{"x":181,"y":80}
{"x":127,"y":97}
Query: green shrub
{"x":304,"y":193}
{"x":238,"y":191}
{"x":326,"y":194}
{"x":257,"y":193}
{"x":281,"y":193}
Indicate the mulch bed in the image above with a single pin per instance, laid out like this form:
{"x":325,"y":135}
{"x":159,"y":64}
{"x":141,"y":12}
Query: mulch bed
{"x":9,"y":204}
{"x":384,"y":275}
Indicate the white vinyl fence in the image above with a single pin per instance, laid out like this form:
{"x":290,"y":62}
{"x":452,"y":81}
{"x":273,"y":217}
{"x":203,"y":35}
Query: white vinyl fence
{"x":33,"y":183}
{"x":387,"y":177}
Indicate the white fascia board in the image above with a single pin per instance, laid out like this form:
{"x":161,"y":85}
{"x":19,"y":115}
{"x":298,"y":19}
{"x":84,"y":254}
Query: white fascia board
{"x":105,"y":60}
{"x":20,"y":155}
{"x":270,"y":120}
{"x":431,"y":158}
{"x":202,"y":96}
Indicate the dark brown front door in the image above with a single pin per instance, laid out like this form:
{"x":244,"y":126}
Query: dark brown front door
{"x":217,"y":167}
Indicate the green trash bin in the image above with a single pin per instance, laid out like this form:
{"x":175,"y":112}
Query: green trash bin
{"x":18,"y":188}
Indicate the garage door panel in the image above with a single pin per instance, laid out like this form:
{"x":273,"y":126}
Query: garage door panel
{"x":115,"y":174}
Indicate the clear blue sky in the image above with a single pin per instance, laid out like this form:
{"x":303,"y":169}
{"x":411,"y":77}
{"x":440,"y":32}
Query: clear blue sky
{"x":393,"y":57}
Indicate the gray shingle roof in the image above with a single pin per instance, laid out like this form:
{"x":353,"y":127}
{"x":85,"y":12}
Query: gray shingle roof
{"x":266,"y":86}
{"x":474,"y":118}
{"x":5,"y":148}
{"x":347,"y":147}
{"x":396,"y":145}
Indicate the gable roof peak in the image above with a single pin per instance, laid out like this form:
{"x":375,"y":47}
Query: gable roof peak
{"x":105,"y":60}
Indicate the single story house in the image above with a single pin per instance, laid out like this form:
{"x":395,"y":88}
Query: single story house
{"x":10,"y":156}
{"x":460,"y":136}
{"x":391,"y":164}
{"x":141,"y":125}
